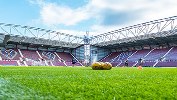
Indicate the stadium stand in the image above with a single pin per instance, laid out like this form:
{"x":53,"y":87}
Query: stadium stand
{"x":8,"y":54}
{"x":30,"y":54}
{"x":110,"y":57}
{"x":150,"y":43}
{"x":160,"y":57}
{"x":8,"y":63}
{"x":33,"y":57}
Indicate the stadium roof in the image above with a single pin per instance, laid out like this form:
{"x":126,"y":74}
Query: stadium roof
{"x":136,"y":34}
{"x":156,"y":31}
{"x":33,"y":35}
{"x":152,"y":39}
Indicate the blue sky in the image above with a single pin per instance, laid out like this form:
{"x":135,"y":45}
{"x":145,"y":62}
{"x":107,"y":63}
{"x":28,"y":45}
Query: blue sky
{"x":79,"y":16}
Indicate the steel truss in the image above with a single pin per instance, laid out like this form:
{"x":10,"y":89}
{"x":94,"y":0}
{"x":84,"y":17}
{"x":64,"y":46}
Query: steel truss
{"x":33,"y":35}
{"x":151,"y":29}
{"x":157,"y":28}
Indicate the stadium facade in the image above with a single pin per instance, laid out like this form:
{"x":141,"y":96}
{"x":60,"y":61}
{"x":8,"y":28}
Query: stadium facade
{"x":151,"y":43}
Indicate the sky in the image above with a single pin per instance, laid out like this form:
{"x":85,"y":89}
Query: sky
{"x":78,"y":16}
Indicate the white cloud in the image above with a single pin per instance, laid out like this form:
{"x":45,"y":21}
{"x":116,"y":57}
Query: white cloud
{"x":144,"y":10}
{"x":116,"y":4}
{"x":54,"y":14}
{"x":74,"y":32}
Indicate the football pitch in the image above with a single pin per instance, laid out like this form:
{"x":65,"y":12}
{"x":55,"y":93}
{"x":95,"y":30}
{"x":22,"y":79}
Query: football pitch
{"x":83,"y":83}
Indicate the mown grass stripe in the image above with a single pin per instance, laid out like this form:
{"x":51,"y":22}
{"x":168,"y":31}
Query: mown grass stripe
{"x":14,"y":91}
{"x":86,"y":84}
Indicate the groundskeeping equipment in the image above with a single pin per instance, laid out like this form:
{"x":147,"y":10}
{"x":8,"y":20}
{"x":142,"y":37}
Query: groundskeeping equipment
{"x":101,"y":66}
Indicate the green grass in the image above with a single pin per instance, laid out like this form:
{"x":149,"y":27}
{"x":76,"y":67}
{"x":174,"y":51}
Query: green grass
{"x":85,"y":84}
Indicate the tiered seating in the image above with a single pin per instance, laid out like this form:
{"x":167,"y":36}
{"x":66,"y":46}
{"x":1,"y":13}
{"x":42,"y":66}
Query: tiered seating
{"x":57,"y":62}
{"x":47,"y":56}
{"x":9,"y":54}
{"x":17,"y":57}
{"x":155,"y":55}
{"x":8,"y":63}
{"x":167,"y":64}
{"x":30,"y":54}
{"x":66,"y":57}
{"x":10,"y":57}
{"x":148,"y":63}
{"x":22,"y":63}
{"x":150,"y":60}
{"x":116,"y":63}
{"x":170,"y":59}
{"x":123,"y":57}
{"x":110,"y":57}
{"x":135,"y":58}
{"x":77,"y":64}
{"x":139,"y":54}
{"x":119,"y":59}
{"x":172,"y":55}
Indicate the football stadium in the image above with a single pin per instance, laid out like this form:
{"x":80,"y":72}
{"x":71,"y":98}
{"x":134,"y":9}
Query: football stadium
{"x":44,"y":64}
